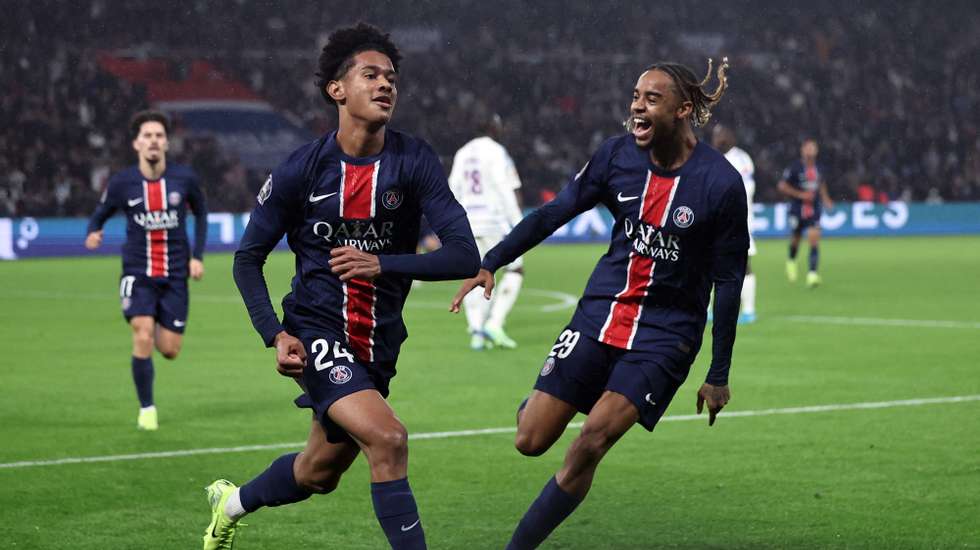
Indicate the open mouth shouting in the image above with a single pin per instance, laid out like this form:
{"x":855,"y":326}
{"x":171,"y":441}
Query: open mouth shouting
{"x":641,"y":128}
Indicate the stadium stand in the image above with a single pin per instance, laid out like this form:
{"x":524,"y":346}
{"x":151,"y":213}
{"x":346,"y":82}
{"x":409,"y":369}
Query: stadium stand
{"x":895,"y":106}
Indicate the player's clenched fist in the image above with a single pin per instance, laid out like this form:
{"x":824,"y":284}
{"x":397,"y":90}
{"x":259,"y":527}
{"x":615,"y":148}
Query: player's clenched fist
{"x":290,"y":355}
{"x":484,"y":278}
{"x":93,"y":240}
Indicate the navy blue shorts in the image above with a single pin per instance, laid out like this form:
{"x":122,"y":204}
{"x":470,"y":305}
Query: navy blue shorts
{"x":579,"y":369}
{"x":161,"y":298}
{"x":332,"y":372}
{"x":798,"y":223}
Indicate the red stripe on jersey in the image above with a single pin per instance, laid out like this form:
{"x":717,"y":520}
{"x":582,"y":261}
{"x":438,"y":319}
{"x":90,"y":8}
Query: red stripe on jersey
{"x":359,"y":321}
{"x":157,"y":260}
{"x":358,"y":187}
{"x":626,"y":308}
{"x":808,"y":208}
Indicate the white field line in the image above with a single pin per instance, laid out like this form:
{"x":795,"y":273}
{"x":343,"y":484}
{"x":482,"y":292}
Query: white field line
{"x":874,"y":321}
{"x":491,"y":431}
{"x":562,"y":302}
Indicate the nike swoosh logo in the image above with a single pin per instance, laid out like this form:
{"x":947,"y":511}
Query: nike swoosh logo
{"x":621,"y":198}
{"x":409,"y":528}
{"x":318,"y":198}
{"x":179,"y":323}
{"x":134,"y":202}
{"x":650,"y":401}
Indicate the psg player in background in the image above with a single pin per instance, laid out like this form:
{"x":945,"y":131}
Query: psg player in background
{"x":156,"y":257}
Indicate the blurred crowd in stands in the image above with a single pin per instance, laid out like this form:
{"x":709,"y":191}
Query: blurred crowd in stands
{"x":892,"y":95}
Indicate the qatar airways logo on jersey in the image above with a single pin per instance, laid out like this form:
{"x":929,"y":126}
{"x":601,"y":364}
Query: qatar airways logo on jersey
{"x":364,"y":235}
{"x":653,"y":242}
{"x":156,"y":220}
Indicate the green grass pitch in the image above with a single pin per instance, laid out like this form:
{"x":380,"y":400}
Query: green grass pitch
{"x":895,"y":477}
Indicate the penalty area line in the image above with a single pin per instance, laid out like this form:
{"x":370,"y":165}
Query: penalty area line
{"x":492,"y":431}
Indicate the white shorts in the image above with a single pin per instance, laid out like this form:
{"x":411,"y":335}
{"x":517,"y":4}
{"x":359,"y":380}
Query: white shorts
{"x":485,"y":243}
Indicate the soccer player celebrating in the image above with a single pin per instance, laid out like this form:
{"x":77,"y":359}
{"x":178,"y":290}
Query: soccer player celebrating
{"x":350,"y":204}
{"x":680,"y":215}
{"x":156,"y":256}
{"x":485,"y":182}
{"x":723,"y":138}
{"x":801,"y":182}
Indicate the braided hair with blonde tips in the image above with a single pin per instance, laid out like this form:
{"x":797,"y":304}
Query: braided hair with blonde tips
{"x":693,"y":90}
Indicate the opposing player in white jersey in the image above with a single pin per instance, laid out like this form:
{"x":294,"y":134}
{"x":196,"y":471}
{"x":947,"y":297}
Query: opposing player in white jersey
{"x":723,"y":139}
{"x":485,"y":182}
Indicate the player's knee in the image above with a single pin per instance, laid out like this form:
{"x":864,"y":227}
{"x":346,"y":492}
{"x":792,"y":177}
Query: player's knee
{"x":528,"y":444}
{"x":389,"y":445}
{"x":143,"y":339}
{"x":169,"y":352}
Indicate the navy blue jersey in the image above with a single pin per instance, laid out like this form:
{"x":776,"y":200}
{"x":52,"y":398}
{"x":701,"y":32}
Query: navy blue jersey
{"x":805,"y":178}
{"x":156,"y":220}
{"x":675,"y":233}
{"x":321,"y":198}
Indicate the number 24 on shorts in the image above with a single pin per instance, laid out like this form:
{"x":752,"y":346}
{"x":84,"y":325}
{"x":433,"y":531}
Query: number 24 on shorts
{"x":321,"y":348}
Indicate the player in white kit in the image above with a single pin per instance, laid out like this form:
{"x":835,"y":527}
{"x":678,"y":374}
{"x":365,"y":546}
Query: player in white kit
{"x":485,"y":182}
{"x":723,"y":139}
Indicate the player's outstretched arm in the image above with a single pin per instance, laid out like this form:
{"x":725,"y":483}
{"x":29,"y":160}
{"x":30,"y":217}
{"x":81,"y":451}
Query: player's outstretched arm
{"x":580,"y":194}
{"x":484,"y":278}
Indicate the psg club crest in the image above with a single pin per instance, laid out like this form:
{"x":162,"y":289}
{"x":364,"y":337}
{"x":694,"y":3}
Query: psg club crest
{"x":549,"y":365}
{"x":392,"y":199}
{"x":265,"y":191}
{"x":340,"y":374}
{"x":683,"y":217}
{"x":173,"y":198}
{"x":126,"y":302}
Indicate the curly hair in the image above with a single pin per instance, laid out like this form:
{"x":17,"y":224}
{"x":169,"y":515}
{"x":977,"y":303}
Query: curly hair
{"x":691,"y":89}
{"x":337,"y":57}
{"x":142,"y":117}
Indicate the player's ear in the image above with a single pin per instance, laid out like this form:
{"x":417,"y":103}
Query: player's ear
{"x":335,"y":89}
{"x":135,"y":147}
{"x":685,"y":109}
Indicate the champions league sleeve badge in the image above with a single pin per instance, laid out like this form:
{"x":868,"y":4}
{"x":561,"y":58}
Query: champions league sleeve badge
{"x":266,"y":191}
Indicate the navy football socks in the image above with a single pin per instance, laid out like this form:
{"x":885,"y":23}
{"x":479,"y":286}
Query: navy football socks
{"x":792,"y":251}
{"x":395,"y":507}
{"x":814,"y":257}
{"x":551,"y":508}
{"x":143,"y":378}
{"x":273,"y":487}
